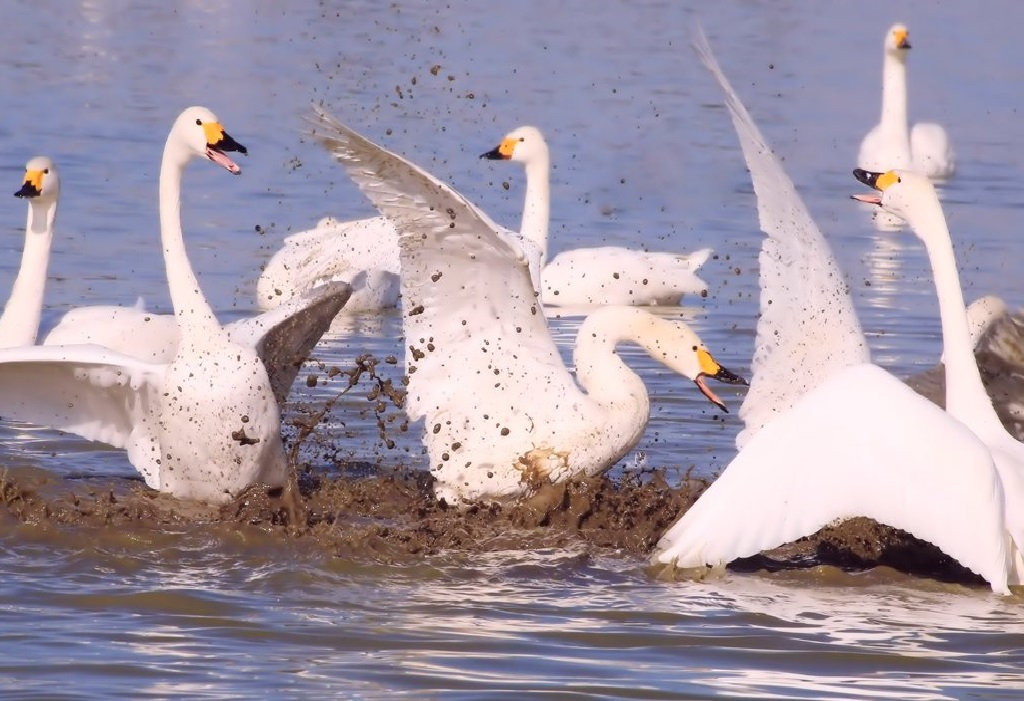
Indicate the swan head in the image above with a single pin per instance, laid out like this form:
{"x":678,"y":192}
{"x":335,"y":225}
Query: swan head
{"x":897,"y":40}
{"x":41,"y":183}
{"x":525,"y":144}
{"x":909,"y":195}
{"x":677,"y":346}
{"x":198,"y":133}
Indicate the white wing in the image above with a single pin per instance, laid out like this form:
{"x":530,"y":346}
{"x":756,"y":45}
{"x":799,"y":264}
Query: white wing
{"x":86,"y":390}
{"x":808,"y":328}
{"x":285,"y":336}
{"x":478,"y":338}
{"x":843,"y":452}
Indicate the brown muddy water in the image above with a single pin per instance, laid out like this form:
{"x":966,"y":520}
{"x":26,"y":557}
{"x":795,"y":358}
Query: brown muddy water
{"x":370,"y":589}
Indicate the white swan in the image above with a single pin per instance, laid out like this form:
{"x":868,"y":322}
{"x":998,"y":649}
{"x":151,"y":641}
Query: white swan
{"x":829,"y":435}
{"x":913,"y":198}
{"x":364,"y":252}
{"x":203,"y":426}
{"x":19,"y":324}
{"x":891,"y":144}
{"x":361,"y":252}
{"x":502,"y":411}
{"x":590,"y":276}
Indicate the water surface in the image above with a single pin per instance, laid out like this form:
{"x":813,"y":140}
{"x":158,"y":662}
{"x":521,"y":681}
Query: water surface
{"x":644,"y":154}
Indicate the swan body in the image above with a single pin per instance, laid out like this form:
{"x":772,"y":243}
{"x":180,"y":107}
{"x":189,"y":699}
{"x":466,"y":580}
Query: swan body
{"x":829,"y":435}
{"x":204,"y":425}
{"x":892,"y":144}
{"x":912,"y":197}
{"x":19,"y":324}
{"x":502,"y":412}
{"x":592,"y":276}
{"x":282,"y":337}
{"x":362,"y":253}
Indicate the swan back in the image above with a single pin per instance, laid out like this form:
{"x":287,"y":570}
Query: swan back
{"x":808,"y":328}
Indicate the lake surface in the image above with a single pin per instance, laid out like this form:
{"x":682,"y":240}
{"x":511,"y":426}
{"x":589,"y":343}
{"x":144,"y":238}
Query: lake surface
{"x":644,"y":155}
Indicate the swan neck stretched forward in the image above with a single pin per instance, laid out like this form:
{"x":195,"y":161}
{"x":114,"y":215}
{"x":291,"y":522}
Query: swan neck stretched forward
{"x":537,"y":203}
{"x":894,"y":99}
{"x":966,"y":398}
{"x":193,"y":312}
{"x":19,"y":324}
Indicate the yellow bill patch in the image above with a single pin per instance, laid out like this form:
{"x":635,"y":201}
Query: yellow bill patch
{"x":901,"y":36}
{"x":886,"y":179}
{"x":507,"y":147}
{"x":214,"y":133}
{"x":708,"y":365}
{"x":35,"y":179}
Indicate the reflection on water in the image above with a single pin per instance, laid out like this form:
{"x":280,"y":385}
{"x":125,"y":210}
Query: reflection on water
{"x":642,"y":154}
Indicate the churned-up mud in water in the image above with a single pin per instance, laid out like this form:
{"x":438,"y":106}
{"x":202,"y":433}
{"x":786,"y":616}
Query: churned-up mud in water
{"x":393,"y":518}
{"x":387,"y":514}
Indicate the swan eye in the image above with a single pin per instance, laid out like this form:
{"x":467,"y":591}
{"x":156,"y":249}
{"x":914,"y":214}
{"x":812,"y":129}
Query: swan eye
{"x":522,"y":138}
{"x":199,"y":122}
{"x":695,"y":348}
{"x":46,"y":171}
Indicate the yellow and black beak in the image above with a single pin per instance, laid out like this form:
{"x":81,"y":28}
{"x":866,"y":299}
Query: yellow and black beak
{"x":33,"y":185}
{"x":501,"y":152}
{"x":710,"y":368}
{"x":876,"y":181}
{"x":219,"y":143}
{"x":902,"y":37}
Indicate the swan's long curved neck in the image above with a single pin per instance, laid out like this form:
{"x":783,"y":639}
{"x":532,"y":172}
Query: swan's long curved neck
{"x":600,"y":370}
{"x":19,"y":325}
{"x":966,"y":398}
{"x":894,"y":97}
{"x":537,"y":204}
{"x":195,"y":317}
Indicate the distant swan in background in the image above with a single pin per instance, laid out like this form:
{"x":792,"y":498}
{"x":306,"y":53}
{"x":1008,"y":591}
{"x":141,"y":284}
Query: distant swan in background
{"x":591,"y":276}
{"x":360,"y":252}
{"x":829,"y":435}
{"x":912,"y":197}
{"x":502,"y":411}
{"x":891,"y":144}
{"x":364,"y":253}
{"x":19,"y":325}
{"x":998,"y":340}
{"x":203,"y":426}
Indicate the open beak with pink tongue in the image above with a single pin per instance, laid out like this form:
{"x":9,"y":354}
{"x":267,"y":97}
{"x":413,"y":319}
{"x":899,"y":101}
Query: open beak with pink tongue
{"x":218,"y":143}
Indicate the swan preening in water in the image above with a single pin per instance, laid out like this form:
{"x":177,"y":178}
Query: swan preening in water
{"x":502,"y":412}
{"x":892,"y":143}
{"x":19,"y":324}
{"x":828,"y":434}
{"x":592,"y":276}
{"x":204,"y":424}
{"x":364,"y":252}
